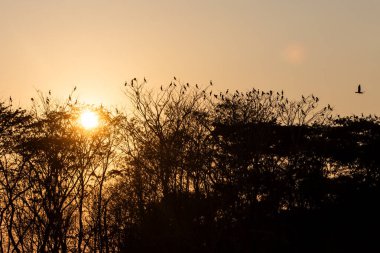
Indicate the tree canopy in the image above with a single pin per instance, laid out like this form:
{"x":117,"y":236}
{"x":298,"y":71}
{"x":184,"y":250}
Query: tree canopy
{"x":185,"y":169}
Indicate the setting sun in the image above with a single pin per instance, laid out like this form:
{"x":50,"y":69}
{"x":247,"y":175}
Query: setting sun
{"x":89,"y":119}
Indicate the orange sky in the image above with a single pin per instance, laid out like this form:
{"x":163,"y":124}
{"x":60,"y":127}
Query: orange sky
{"x":325,"y":47}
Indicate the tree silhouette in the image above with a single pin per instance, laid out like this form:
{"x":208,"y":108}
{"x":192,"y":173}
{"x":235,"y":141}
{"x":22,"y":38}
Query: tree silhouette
{"x":187,"y":169}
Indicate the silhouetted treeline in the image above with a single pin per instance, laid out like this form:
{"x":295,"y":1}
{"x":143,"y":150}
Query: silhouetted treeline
{"x":183,"y":169}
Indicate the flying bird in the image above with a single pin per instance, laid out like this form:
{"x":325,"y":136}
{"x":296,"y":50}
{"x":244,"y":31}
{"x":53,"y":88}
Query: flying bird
{"x":359,"y":91}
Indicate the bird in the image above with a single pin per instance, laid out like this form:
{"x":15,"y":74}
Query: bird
{"x":359,"y":91}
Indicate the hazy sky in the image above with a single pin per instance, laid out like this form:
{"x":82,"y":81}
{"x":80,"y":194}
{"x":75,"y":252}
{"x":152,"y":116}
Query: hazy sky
{"x":325,"y":47}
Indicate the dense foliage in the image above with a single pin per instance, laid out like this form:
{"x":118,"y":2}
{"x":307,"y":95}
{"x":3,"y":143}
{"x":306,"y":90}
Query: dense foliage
{"x":187,"y":170}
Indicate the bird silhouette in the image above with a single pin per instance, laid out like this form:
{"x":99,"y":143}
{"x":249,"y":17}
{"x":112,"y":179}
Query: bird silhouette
{"x":359,"y":91}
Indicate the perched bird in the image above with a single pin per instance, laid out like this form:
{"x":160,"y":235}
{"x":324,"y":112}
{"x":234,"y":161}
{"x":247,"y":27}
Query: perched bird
{"x":359,"y":91}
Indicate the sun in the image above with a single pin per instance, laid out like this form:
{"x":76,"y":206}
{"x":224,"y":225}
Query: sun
{"x":89,"y":119}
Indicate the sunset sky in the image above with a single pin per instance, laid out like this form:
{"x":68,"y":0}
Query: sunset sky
{"x":324,"y":47}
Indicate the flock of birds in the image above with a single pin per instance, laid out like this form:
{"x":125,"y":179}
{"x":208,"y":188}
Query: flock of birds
{"x":358,"y":91}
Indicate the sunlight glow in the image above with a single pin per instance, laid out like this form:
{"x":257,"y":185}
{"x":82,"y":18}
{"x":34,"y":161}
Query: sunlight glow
{"x":89,"y":119}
